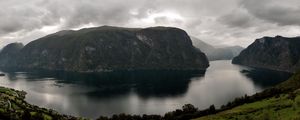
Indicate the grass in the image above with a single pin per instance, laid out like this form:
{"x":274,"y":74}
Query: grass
{"x":282,"y":103}
{"x":275,"y":108}
{"x":47,"y":117}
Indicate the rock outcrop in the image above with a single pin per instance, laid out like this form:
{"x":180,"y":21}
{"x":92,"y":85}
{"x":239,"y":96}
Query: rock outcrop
{"x":9,"y":54}
{"x":276,"y":53}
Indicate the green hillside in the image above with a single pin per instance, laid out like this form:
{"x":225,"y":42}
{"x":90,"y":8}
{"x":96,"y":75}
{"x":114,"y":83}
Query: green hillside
{"x":284,"y":107}
{"x":282,"y":102}
{"x":13,"y":107}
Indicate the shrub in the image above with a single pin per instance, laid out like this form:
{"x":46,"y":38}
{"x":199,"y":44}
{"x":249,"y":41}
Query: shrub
{"x":297,"y":101}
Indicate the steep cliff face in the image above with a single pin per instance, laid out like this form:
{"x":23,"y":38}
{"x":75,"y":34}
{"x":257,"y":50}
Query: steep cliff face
{"x":9,"y":53}
{"x":113,"y":48}
{"x":277,"y":53}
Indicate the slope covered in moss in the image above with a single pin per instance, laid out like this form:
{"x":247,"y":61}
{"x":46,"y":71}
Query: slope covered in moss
{"x":283,"y":107}
{"x":13,"y":107}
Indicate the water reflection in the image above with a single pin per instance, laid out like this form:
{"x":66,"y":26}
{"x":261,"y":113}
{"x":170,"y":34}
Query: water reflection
{"x":144,"y":83}
{"x":265,"y":78}
{"x":139,"y":92}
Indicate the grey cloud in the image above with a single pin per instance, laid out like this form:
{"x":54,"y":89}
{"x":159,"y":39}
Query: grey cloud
{"x":89,"y":13}
{"x":222,"y":21}
{"x":98,"y":12}
{"x":25,"y":17}
{"x":238,"y":18}
{"x":165,"y":20}
{"x":280,"y":12}
{"x":34,"y":14}
{"x":161,"y":20}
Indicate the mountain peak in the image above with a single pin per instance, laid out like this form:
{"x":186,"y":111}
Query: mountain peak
{"x":277,"y":53}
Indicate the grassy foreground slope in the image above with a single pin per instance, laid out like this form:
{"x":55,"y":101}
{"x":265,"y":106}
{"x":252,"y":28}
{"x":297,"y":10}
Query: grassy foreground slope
{"x":282,"y":102}
{"x":13,"y":107}
{"x":275,"y":108}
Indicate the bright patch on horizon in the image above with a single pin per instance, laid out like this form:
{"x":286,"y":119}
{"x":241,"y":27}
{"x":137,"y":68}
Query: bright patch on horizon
{"x":169,"y":17}
{"x":89,"y":25}
{"x":50,"y":29}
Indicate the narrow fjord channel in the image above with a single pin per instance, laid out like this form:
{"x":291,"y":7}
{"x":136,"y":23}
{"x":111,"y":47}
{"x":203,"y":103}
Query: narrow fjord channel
{"x":140,"y":92}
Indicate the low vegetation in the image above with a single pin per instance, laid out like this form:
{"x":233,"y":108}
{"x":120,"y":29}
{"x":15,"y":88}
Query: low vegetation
{"x":282,"y":107}
{"x":13,"y":107}
{"x":281,"y":102}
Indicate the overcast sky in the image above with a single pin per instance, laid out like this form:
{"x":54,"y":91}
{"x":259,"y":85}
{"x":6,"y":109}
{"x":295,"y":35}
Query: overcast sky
{"x":218,"y":22}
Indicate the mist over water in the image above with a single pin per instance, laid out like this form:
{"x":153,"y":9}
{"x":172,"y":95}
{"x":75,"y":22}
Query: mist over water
{"x":140,"y":92}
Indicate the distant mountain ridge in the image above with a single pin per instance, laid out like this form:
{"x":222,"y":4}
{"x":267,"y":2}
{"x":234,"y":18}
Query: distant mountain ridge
{"x":214,"y":53}
{"x":108,"y":48}
{"x":276,"y":53}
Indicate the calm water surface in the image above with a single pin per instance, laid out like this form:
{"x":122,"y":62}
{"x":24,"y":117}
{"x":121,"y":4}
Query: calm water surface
{"x":140,"y":92}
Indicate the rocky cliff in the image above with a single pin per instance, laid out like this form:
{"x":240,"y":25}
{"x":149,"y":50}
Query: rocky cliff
{"x":112,"y":48}
{"x":9,"y":54}
{"x":276,"y":53}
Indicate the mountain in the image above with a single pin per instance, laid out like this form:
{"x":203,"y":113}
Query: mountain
{"x":9,"y":53}
{"x":277,"y":53}
{"x":203,"y":46}
{"x":225,"y":53}
{"x":214,"y":53}
{"x":111,"y":48}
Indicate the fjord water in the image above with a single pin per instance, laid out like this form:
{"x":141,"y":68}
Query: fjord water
{"x":140,"y":92}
